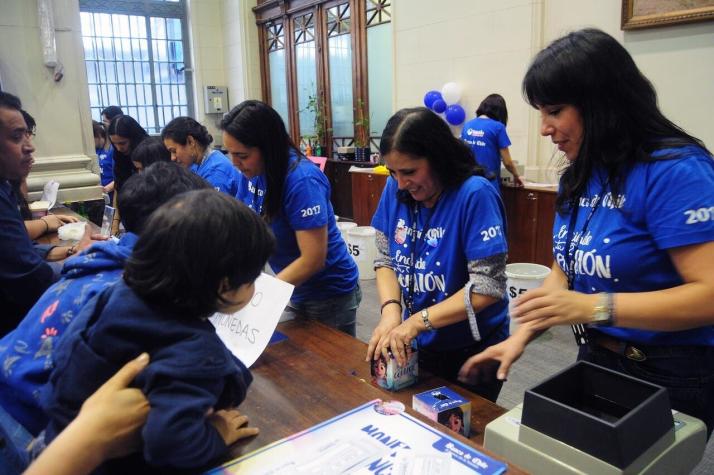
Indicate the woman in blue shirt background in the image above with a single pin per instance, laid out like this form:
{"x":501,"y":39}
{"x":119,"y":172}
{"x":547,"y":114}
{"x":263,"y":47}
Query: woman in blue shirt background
{"x":488,"y":139}
{"x":189,"y":142}
{"x":633,"y":237}
{"x":293,"y":195}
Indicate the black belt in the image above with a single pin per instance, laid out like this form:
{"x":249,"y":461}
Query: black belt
{"x":617,"y":346}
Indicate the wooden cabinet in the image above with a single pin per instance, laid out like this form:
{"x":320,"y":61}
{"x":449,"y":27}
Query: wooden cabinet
{"x":337,"y":172}
{"x":530,"y":213}
{"x":366,"y":192}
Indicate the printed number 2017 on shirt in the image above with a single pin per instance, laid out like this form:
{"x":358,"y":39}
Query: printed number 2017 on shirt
{"x":312,"y":211}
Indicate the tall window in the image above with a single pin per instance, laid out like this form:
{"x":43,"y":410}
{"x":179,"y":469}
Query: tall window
{"x":333,"y":82}
{"x":136,"y":54}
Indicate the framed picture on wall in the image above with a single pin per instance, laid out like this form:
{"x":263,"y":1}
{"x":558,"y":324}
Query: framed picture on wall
{"x":652,"y":13}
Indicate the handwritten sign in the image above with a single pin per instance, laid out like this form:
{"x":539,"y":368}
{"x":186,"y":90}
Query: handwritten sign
{"x":247,"y":332}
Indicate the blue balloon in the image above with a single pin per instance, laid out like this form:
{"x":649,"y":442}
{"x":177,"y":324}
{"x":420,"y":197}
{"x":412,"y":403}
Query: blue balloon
{"x":438,"y":106}
{"x":430,"y":97}
{"x":455,"y":114}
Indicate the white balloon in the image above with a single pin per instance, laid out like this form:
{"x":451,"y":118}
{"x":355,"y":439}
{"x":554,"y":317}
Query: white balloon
{"x":451,"y":92}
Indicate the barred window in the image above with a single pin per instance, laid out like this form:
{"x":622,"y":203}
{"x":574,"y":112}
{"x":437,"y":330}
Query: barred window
{"x":136,"y":55}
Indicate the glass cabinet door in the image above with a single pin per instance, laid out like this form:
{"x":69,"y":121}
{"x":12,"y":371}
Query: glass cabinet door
{"x":278,"y":74}
{"x":339,"y":52}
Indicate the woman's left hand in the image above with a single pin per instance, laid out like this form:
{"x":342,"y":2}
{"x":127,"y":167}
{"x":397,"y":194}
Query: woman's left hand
{"x":399,"y":341}
{"x":549,"y":307}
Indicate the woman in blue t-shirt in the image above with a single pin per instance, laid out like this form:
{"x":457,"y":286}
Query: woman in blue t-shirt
{"x":633,"y":238}
{"x":188,"y":142}
{"x":488,"y":139}
{"x":293,"y":195}
{"x":442,"y":250}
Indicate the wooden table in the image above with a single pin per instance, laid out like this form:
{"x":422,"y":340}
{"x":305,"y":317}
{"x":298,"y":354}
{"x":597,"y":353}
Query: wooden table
{"x":318,"y":373}
{"x":53,"y":238}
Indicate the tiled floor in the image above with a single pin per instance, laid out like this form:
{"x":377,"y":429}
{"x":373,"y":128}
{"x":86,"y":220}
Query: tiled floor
{"x":553,"y":351}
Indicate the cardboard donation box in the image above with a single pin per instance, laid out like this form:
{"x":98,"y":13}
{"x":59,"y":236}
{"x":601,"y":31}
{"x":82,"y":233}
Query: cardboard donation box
{"x":388,"y":375}
{"x":445,"y":407}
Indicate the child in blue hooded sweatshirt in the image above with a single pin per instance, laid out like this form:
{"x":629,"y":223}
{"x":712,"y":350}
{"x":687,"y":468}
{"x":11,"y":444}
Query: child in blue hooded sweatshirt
{"x":26,"y":354}
{"x":202,"y":256}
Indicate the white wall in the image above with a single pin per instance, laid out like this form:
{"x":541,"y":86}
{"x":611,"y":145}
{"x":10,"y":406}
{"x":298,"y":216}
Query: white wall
{"x":486,"y":46}
{"x":207,"y":45}
{"x":61,"y":109}
{"x":241,"y":52}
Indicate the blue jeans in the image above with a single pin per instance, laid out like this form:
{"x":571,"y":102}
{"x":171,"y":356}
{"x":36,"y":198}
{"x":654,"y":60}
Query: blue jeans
{"x":337,"y":312}
{"x":686,"y":371}
{"x":15,"y":443}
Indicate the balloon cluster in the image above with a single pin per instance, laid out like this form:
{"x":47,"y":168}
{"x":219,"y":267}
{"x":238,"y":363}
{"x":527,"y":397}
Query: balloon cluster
{"x":446,"y":102}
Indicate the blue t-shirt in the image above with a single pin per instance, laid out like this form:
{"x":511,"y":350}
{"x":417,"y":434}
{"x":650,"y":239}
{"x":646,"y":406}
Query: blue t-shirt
{"x":306,"y":205}
{"x":106,"y":165}
{"x":466,"y":224}
{"x":217,"y":170}
{"x":665,"y":204}
{"x":487,"y":137}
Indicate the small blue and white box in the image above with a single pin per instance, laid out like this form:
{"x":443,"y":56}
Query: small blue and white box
{"x":446,"y":407}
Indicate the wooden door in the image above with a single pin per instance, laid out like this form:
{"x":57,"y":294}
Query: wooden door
{"x":521,"y":211}
{"x":544,"y":228}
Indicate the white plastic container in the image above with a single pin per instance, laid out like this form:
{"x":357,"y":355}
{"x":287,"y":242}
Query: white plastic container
{"x":362,"y":248}
{"x":345,"y":226}
{"x":523,"y":276}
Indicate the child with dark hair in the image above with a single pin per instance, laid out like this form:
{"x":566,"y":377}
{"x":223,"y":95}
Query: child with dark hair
{"x":148,"y":152}
{"x":27,"y":352}
{"x":189,"y":145}
{"x":202,"y":256}
{"x":105,"y":157}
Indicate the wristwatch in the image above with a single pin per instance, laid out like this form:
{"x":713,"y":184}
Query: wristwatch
{"x":425,"y":319}
{"x":602,"y":315}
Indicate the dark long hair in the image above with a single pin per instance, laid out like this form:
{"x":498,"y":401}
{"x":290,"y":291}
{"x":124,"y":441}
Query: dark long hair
{"x":180,"y":128}
{"x":127,"y":127}
{"x":421,"y":133}
{"x":494,"y":107}
{"x":194,"y":242}
{"x":149,"y":151}
{"x":622,"y":124}
{"x":256,"y":124}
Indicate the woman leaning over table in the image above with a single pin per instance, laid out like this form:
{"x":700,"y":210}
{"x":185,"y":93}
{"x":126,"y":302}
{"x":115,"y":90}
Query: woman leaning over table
{"x":633,"y":237}
{"x":293,"y":195}
{"x":442,"y":250}
{"x":188,"y":143}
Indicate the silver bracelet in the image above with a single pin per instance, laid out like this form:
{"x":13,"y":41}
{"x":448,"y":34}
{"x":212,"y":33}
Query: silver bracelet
{"x":425,"y":319}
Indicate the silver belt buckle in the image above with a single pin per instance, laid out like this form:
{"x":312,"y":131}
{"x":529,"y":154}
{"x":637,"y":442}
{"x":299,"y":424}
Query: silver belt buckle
{"x":635,"y":354}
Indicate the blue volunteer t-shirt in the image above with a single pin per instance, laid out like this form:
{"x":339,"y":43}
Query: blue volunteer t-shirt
{"x":306,"y":205}
{"x":665,"y":204}
{"x":466,"y":224}
{"x":218,"y":170}
{"x":487,"y":137}
{"x":106,"y":165}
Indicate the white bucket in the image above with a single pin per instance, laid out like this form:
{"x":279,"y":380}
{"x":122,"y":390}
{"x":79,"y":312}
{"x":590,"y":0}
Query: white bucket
{"x":345,"y":226}
{"x":362,"y":248}
{"x":523,"y":276}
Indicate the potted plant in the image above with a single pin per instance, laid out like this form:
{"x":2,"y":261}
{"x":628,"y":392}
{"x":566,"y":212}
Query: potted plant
{"x":362,"y":142}
{"x":316,"y":142}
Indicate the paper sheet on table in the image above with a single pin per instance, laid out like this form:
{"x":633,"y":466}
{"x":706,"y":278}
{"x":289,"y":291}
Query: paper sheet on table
{"x":247,"y":332}
{"x":49,"y":193}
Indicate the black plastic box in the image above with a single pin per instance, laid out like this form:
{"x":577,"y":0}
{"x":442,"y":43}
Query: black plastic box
{"x":609,"y":415}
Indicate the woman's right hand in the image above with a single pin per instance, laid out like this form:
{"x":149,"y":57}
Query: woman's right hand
{"x":232,"y":425}
{"x":390,"y":320}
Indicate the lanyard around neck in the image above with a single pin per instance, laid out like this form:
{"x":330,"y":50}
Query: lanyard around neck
{"x":581,"y":336}
{"x":416,"y":248}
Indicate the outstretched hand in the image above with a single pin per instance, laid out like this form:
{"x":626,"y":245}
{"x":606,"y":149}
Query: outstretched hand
{"x":547,"y":307}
